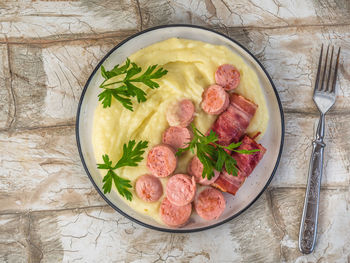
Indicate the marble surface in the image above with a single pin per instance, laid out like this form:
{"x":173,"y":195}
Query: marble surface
{"x":49,"y":210}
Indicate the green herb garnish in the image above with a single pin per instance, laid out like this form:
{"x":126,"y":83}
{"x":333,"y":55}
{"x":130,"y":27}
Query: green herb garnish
{"x":126,"y":89}
{"x":212,"y":155}
{"x":132,"y":155}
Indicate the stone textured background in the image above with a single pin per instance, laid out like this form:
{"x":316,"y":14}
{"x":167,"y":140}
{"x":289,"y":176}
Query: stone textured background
{"x":49,"y":210}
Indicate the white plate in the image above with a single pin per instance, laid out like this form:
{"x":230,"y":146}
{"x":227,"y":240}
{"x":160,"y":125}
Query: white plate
{"x":255,"y":184}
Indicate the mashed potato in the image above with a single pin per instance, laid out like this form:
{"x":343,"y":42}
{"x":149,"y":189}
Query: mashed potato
{"x":191,"y":67}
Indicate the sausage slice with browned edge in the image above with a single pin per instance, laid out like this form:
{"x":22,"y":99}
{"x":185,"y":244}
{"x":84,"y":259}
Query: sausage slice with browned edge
{"x":195,"y":168}
{"x":161,"y":160}
{"x":210,"y":204}
{"x":173,"y":215}
{"x":149,"y":188}
{"x":215,"y":100}
{"x":181,"y":189}
{"x":180,"y":113}
{"x":177,"y":137}
{"x":227,"y":76}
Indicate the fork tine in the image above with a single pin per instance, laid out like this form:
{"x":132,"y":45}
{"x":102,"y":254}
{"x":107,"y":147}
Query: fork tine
{"x":324,"y":70}
{"x":335,"y":73}
{"x":329,"y":71}
{"x":318,"y":70}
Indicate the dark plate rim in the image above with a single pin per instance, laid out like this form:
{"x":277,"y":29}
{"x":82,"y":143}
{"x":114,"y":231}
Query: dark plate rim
{"x":105,"y":197}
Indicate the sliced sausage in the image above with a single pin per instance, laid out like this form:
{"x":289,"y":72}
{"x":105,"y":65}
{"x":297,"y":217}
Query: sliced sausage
{"x":181,"y":113}
{"x":149,"y":188}
{"x":181,"y":189}
{"x":215,"y":100}
{"x":177,"y":137}
{"x":227,"y":76}
{"x":195,"y":168}
{"x":210,"y":204}
{"x":161,"y":160}
{"x":173,"y":215}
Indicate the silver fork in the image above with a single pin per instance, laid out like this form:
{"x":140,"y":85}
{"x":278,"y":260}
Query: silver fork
{"x":324,"y":98}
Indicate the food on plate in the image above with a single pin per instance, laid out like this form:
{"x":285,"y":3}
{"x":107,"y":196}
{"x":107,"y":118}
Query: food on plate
{"x":228,"y":183}
{"x":243,"y":104}
{"x":227,"y":76}
{"x":123,"y":88}
{"x":173,"y":215}
{"x":161,"y":160}
{"x":180,"y":189}
{"x":148,"y":188}
{"x":177,"y":137}
{"x":214,"y":100}
{"x":212,"y":155}
{"x":195,"y":168}
{"x":178,"y":72}
{"x":210,"y":204}
{"x":245,"y":164}
{"x":132,"y":155}
{"x":232,"y":123}
{"x":180,"y":113}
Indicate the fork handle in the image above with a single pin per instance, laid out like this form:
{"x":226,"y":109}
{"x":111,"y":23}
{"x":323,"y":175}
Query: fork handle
{"x":308,"y":226}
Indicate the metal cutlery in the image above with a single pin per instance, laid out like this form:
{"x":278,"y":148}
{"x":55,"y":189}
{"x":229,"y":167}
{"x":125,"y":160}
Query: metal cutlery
{"x":324,"y":97}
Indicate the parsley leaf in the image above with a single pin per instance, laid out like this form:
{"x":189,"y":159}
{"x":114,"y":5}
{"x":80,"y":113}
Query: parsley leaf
{"x":115,"y":71}
{"x":221,"y":160}
{"x":212,"y":155}
{"x":126,"y":88}
{"x":247,"y":151}
{"x":119,"y":94}
{"x":132,"y":155}
{"x":121,"y":184}
{"x":230,"y":166}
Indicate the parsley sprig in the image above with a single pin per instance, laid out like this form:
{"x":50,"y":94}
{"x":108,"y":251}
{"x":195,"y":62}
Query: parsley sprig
{"x":126,"y":89}
{"x":132,"y":155}
{"x":213,"y":155}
